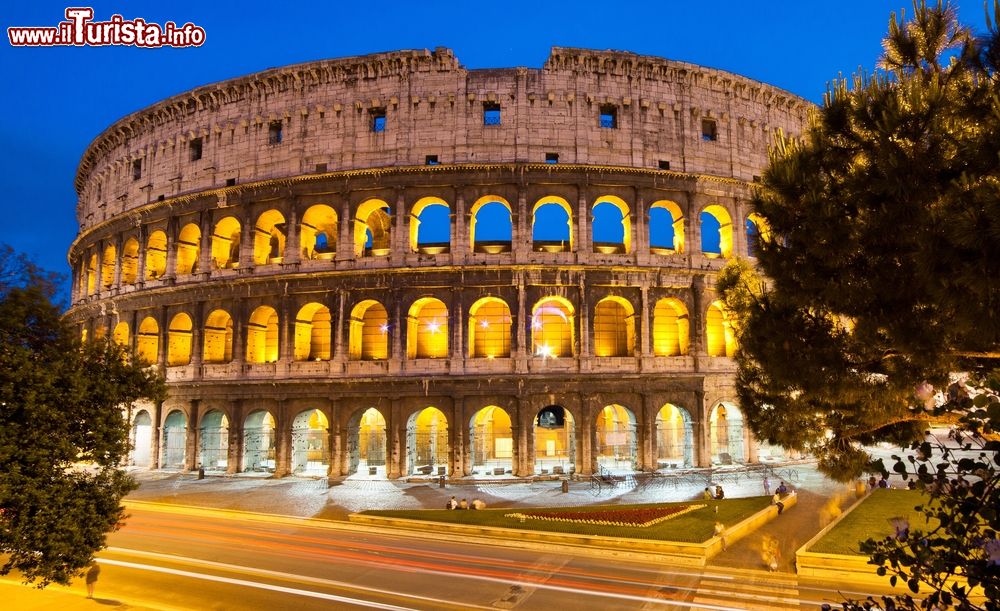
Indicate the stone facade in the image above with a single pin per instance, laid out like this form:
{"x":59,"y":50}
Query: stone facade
{"x":214,"y":201}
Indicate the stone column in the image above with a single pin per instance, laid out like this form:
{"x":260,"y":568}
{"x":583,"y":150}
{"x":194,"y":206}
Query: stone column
{"x":157,"y":426}
{"x":583,"y":241}
{"x":247,"y":240}
{"x":400,"y":238}
{"x":640,"y":228}
{"x":700,"y":431}
{"x":696,"y":318}
{"x":647,"y":447}
{"x":140,"y":271}
{"x":396,"y":336}
{"x":396,"y":451}
{"x":172,"y":232}
{"x":692,"y":237}
{"x":583,"y":316}
{"x":521,"y":228}
{"x":205,"y":262}
{"x":645,"y":323}
{"x":335,"y":433}
{"x":522,"y":323}
{"x":456,"y":438}
{"x":197,"y":327}
{"x":234,"y":452}
{"x":340,"y":325}
{"x":292,"y":254}
{"x":456,"y":318}
{"x":98,"y":268}
{"x":163,"y":337}
{"x":283,"y":451}
{"x":116,"y":282}
{"x":586,"y":434}
{"x":459,"y":231}
{"x":191,"y":445}
{"x":345,"y":227}
{"x":240,"y":323}
{"x":286,"y":330}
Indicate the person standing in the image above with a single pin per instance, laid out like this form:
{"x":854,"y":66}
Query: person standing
{"x":767,"y":486}
{"x":91,"y":579}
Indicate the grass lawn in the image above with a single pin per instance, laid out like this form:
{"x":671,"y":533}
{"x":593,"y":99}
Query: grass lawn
{"x":871,"y":519}
{"x":692,"y":527}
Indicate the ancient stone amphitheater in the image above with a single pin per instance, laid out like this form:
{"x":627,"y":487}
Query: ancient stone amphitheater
{"x":392,"y":265}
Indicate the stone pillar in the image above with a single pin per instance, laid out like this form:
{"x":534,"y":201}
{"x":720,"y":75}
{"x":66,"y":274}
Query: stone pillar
{"x":397,"y":353}
{"x":457,"y":441}
{"x":191,"y":441}
{"x":340,"y":325}
{"x":583,"y":242}
{"x":335,"y":433}
{"x":292,"y":254}
{"x":692,"y":237}
{"x":521,"y":228}
{"x":456,"y":317}
{"x":522,"y":323}
{"x":396,"y":450}
{"x":116,"y":282}
{"x":247,"y":239}
{"x":696,"y":318}
{"x":171,"y":231}
{"x":345,"y":242}
{"x":459,"y":231}
{"x":286,"y":330}
{"x":283,"y":449}
{"x":234,"y":453}
{"x":140,"y":271}
{"x":647,"y":447}
{"x":197,"y":327}
{"x":586,"y":434}
{"x":701,"y":431}
{"x":163,"y":337}
{"x":400,"y":238}
{"x":98,"y":268}
{"x":583,"y":316}
{"x":645,"y":323}
{"x":157,"y":426}
{"x":240,"y":323}
{"x":640,"y":228}
{"x":205,"y":262}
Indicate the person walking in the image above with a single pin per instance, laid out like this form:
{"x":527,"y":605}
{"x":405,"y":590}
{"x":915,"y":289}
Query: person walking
{"x":91,"y":579}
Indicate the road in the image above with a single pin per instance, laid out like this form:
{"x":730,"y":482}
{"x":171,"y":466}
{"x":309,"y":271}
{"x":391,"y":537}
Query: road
{"x":174,"y":560}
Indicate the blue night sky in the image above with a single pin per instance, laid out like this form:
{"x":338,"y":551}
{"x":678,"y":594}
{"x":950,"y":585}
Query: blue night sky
{"x":56,"y":100}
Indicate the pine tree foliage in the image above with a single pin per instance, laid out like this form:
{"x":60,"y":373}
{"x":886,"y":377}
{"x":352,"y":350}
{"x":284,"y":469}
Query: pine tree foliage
{"x":63,"y":434}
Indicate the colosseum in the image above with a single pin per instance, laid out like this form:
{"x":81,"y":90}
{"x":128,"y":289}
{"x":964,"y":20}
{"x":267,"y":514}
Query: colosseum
{"x":392,"y":266}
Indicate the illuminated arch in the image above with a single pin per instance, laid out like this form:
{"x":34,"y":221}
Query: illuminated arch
{"x":174,"y":441}
{"x":120,"y":335}
{"x":148,"y":341}
{"x":492,"y":440}
{"x":542,"y":220}
{"x":671,"y":328}
{"x":720,"y":339}
{"x":259,"y":442}
{"x":372,"y":226}
{"x":269,"y":238}
{"x":366,"y":443}
{"x":130,"y":261}
{"x":716,"y":222}
{"x":91,"y":282}
{"x":213,"y":441}
{"x":312,"y":333}
{"x":318,"y":232}
{"x":666,"y":228}
{"x":553,"y":328}
{"x":603,"y":212}
{"x":179,"y":340}
{"x":142,"y":439}
{"x":427,"y":329}
{"x":555,"y":440}
{"x":427,"y":447}
{"x":492,"y":206}
{"x":757,"y":231}
{"x":614,"y":327}
{"x":311,"y":443}
{"x":226,"y":243}
{"x":156,"y":255}
{"x":369,"y":333}
{"x":218,"y":346}
{"x":188,"y":249}
{"x":726,"y":433}
{"x":262,"y":336}
{"x":425,"y":218}
{"x":108,"y":266}
{"x":617,"y":447}
{"x":489,"y":328}
{"x":674,"y":437}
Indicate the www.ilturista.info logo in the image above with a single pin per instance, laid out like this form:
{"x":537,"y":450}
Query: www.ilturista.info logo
{"x":80,"y":30}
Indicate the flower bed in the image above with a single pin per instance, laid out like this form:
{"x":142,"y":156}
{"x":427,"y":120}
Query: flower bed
{"x":639,"y":517}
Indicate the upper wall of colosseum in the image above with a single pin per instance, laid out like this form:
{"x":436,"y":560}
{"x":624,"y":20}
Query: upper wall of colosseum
{"x":410,"y":108}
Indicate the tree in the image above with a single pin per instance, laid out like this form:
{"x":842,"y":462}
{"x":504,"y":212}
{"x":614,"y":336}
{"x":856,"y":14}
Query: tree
{"x":62,"y":431}
{"x":881,"y":277}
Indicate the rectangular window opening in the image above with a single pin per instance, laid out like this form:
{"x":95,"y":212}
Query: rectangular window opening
{"x":551,"y":157}
{"x":709,"y":130}
{"x":431,"y":160}
{"x":377,"y":119}
{"x":491,"y":113}
{"x":274,"y":132}
{"x":320,"y":168}
{"x":609,"y":116}
{"x":664,"y":165}
{"x":230,"y":182}
{"x":195,"y":148}
{"x":137,"y":169}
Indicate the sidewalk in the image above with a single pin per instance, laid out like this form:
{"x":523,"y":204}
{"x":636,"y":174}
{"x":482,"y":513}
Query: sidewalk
{"x":16,"y":595}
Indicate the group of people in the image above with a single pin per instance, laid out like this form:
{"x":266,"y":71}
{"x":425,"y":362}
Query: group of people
{"x":718,"y":495}
{"x":465,"y":504}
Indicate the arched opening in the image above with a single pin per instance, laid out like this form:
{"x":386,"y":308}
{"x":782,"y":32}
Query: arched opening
{"x":108,"y":267}
{"x":611,"y":226}
{"x":369,"y":332}
{"x":666,"y":228}
{"x":218,"y":338}
{"x":148,"y":341}
{"x":616,"y":449}
{"x":614,"y":327}
{"x":674,"y":438}
{"x":142,"y":439}
{"x":130,"y":261}
{"x":430,"y":226}
{"x":720,"y":339}
{"x":174,"y":441}
{"x":311,"y":443}
{"x":489,"y":328}
{"x":91,"y":282}
{"x":427,"y":329}
{"x":213,"y":445}
{"x":366,"y":443}
{"x":269,"y":238}
{"x":312,"y":333}
{"x":757,"y":230}
{"x":427,"y":446}
{"x":671,"y":328}
{"x":258,"y":443}
{"x":716,"y":232}
{"x":555,"y":441}
{"x":726,"y":432}
{"x":318,"y":233}
{"x":226,"y":243}
{"x":188,"y":249}
{"x":179,"y":340}
{"x":156,"y":255}
{"x":490,"y":225}
{"x":262,"y":336}
{"x":372,"y":227}
{"x":492,"y":442}
{"x":120,"y":335}
{"x":99,"y":331}
{"x":552,"y":225}
{"x":552,"y":325}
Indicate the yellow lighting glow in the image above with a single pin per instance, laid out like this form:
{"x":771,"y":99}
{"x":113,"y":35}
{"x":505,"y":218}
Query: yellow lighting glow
{"x":384,"y":329}
{"x":546,"y":352}
{"x":433,"y":327}
{"x":485,"y":324}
